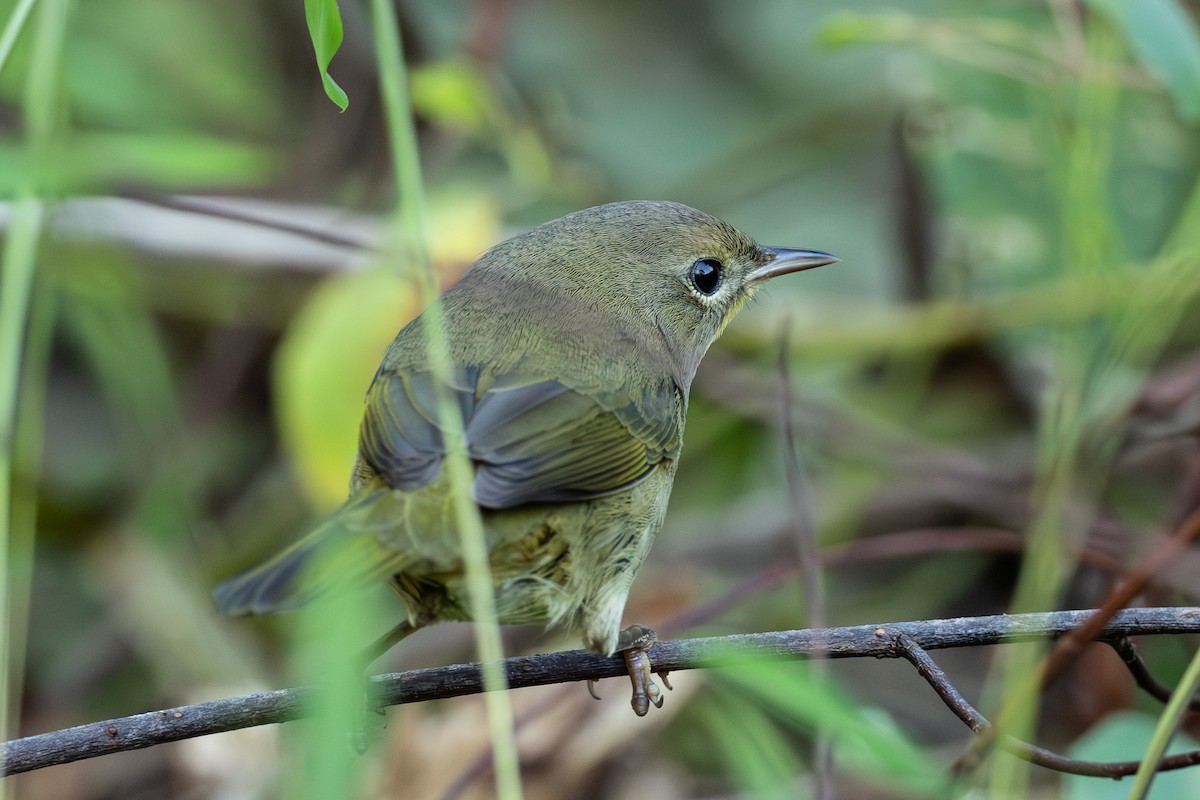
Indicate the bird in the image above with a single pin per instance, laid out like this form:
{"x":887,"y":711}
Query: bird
{"x":572,"y":347}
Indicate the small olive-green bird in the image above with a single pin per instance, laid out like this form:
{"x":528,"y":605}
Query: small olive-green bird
{"x":573,"y":346}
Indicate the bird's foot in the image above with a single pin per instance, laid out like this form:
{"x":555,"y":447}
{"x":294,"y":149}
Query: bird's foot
{"x":366,"y":716}
{"x":635,"y":643}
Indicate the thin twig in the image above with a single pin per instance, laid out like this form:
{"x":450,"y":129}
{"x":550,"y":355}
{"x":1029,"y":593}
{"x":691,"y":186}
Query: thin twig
{"x":808,"y":551}
{"x":1068,"y":647}
{"x":800,"y":499}
{"x":227,"y":211}
{"x":1142,"y":675}
{"x":875,"y":641}
{"x":1168,"y":550}
{"x":935,"y":677}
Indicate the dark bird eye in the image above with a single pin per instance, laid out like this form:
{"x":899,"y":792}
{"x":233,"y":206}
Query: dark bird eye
{"x":705,"y":275}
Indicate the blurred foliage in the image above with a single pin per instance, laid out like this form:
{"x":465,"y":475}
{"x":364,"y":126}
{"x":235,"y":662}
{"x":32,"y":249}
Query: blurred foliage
{"x":1009,"y":344}
{"x":1110,"y":741}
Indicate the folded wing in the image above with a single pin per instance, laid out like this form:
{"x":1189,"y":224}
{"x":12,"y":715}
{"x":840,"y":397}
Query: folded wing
{"x":531,"y":440}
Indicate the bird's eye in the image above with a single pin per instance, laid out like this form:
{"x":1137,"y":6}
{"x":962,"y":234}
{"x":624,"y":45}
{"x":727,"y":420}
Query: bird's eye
{"x":706,"y":275}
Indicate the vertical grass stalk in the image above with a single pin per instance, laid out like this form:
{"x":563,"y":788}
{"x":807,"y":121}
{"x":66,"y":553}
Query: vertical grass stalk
{"x":1082,"y":154}
{"x":1168,"y":723}
{"x":16,"y":286}
{"x":414,"y":227}
{"x":12,"y":29}
{"x":19,"y":258}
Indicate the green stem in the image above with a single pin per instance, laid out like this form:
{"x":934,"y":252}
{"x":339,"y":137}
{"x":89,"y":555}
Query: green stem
{"x":1084,"y":156}
{"x":413,"y":219}
{"x":16,"y":285}
{"x":23,"y":501}
{"x":1168,"y":723}
{"x":16,"y":21}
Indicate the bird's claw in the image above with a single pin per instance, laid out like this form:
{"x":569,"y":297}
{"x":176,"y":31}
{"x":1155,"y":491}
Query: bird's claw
{"x":634,"y":643}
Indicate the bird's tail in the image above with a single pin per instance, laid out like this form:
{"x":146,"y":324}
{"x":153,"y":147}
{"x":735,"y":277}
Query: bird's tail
{"x":269,"y":587}
{"x":340,"y":552}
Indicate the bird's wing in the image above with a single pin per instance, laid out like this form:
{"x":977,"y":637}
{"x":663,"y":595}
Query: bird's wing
{"x":532,"y":440}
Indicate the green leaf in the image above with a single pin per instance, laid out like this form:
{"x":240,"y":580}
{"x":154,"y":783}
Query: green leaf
{"x":94,"y":162}
{"x":325,"y":28}
{"x":452,"y":93}
{"x":323,"y":367}
{"x":843,"y":28}
{"x":1124,"y":736}
{"x":866,"y":741}
{"x":1164,"y":38}
{"x":759,"y":756}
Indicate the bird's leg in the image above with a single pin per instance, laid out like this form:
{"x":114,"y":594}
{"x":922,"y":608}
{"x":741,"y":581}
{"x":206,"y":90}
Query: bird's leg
{"x":386,"y":642}
{"x":371,"y":654}
{"x":634,"y":643}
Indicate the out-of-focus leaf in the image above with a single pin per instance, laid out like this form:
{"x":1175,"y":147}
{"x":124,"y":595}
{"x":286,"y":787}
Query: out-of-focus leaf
{"x":106,"y":316}
{"x":323,"y":367}
{"x":172,"y":65}
{"x":759,"y":755}
{"x":97,"y":161}
{"x":451,"y":93}
{"x":850,"y":27}
{"x":1164,"y":38}
{"x":12,"y":28}
{"x":462,"y":224}
{"x":333,"y":346}
{"x":1123,"y":737}
{"x":325,"y":27}
{"x":868,"y":743}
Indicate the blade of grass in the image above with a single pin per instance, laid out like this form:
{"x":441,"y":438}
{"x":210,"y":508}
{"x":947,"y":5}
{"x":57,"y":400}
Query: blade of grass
{"x":16,"y":286}
{"x":23,"y":500}
{"x":758,"y":755}
{"x":19,"y":258}
{"x":12,"y":29}
{"x":807,"y":700}
{"x":1167,"y":725}
{"x":414,"y":224}
{"x":1082,"y":136}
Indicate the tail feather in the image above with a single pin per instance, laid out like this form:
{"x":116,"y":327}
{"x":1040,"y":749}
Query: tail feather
{"x":345,"y":551}
{"x":273,"y":586}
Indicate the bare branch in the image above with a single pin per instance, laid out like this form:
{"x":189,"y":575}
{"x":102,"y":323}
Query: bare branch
{"x":936,"y":678}
{"x":1066,"y":649}
{"x":1142,"y":675}
{"x":235,"y":213}
{"x":876,"y":641}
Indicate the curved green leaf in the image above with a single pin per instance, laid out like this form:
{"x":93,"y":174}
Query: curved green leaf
{"x":1165,"y":40}
{"x":325,"y":27}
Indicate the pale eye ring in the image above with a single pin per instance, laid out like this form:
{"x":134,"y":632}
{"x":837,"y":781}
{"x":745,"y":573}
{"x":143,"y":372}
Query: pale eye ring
{"x":706,"y":275}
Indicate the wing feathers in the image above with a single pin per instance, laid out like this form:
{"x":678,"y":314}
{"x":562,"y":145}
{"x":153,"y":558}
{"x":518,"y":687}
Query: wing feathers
{"x":531,"y":441}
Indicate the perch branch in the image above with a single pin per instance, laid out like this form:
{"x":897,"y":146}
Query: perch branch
{"x":282,"y":705}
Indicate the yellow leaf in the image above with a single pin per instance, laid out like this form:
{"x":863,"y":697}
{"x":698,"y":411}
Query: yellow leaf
{"x":323,"y":367}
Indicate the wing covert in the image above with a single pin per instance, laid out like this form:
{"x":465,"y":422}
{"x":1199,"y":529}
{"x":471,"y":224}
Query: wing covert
{"x":532,"y":441}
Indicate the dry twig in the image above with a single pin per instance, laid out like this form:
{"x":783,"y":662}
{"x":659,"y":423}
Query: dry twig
{"x":876,"y":641}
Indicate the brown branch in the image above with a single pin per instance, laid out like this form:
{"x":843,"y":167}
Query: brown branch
{"x":935,"y":677}
{"x":1142,"y":675}
{"x":875,"y":641}
{"x":218,"y":210}
{"x":1067,"y":648}
{"x":808,"y":554}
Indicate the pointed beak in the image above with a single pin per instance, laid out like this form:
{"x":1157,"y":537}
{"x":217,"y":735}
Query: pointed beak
{"x":787,"y":259}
